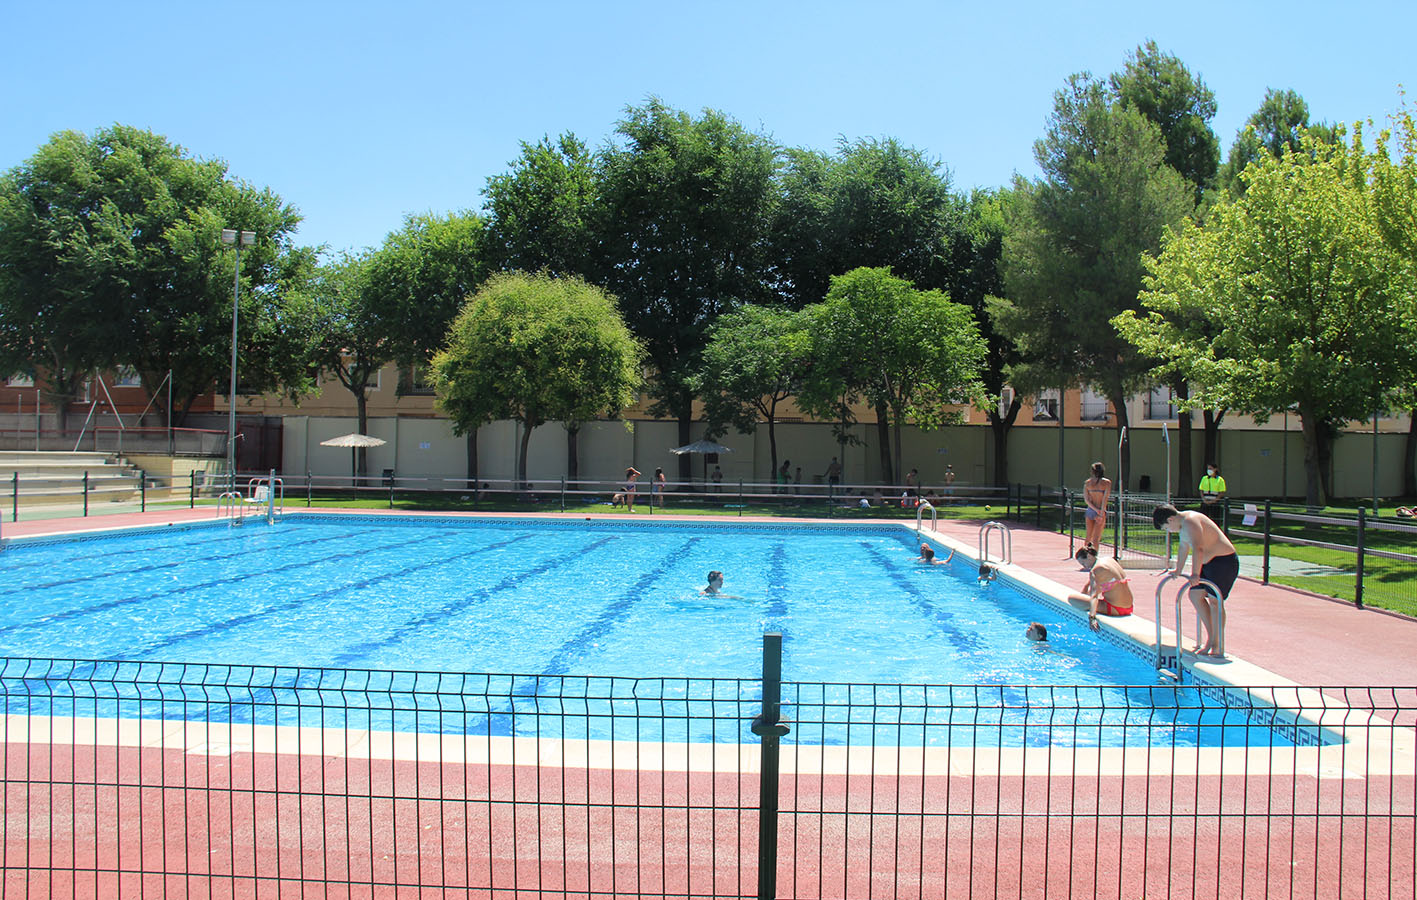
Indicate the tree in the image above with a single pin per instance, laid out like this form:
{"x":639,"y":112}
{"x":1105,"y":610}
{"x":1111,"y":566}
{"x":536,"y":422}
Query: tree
{"x":1159,"y":86}
{"x":875,"y":203}
{"x":1072,"y":253}
{"x":535,"y":348}
{"x":541,"y":212}
{"x":755,"y":359}
{"x":110,"y":254}
{"x":1278,"y":125}
{"x":910,"y":354}
{"x":1312,"y":304}
{"x":683,"y":222}
{"x":415,"y":284}
{"x":351,"y":342}
{"x":1393,"y":166}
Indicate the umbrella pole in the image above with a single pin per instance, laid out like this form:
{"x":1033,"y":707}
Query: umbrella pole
{"x":354,"y":468}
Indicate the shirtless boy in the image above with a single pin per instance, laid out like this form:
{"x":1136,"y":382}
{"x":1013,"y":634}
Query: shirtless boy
{"x":1107,"y":589}
{"x":1212,"y":558}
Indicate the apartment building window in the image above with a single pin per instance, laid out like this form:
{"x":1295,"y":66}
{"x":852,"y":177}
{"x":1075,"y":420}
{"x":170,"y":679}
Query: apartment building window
{"x":1094,"y":406}
{"x":127,"y":376}
{"x":1045,"y":407}
{"x":416,"y":381}
{"x":1006,"y":399}
{"x":1160,"y":403}
{"x":20,"y":381}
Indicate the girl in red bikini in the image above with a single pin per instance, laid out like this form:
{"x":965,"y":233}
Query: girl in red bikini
{"x":1107,"y":590}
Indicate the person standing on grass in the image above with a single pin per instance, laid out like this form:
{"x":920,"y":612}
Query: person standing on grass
{"x":656,"y":488}
{"x":1213,"y":559}
{"x":1212,"y":491}
{"x":1095,"y":492}
{"x":631,"y":473}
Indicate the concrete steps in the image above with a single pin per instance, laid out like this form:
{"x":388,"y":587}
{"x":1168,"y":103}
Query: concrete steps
{"x":54,"y":477}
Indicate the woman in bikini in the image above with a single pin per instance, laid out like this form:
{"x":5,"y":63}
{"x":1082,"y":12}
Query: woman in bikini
{"x":1096,"y":491}
{"x":1107,"y":590}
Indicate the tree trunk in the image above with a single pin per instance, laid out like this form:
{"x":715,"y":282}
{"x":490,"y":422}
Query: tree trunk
{"x":772,"y":447}
{"x":361,"y":405}
{"x":1409,"y":456}
{"x":898,"y":456}
{"x":472,"y":462}
{"x":1212,"y":439}
{"x":1123,"y":481}
{"x":1313,"y":483}
{"x":685,"y":421}
{"x":573,"y":455}
{"x":521,"y":457}
{"x":883,"y":436}
{"x":1185,"y":473}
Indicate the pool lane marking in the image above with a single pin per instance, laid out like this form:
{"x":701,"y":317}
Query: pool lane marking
{"x":777,"y":582}
{"x":146,"y":548}
{"x":609,"y":617}
{"x":481,"y":595}
{"x":942,"y":620}
{"x":69,"y":614}
{"x":158,"y":567}
{"x":238,"y":621}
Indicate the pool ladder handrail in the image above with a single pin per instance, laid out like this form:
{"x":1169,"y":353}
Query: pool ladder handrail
{"x":919,"y":514}
{"x":1006,"y":543}
{"x":1180,"y":623}
{"x":230,"y":504}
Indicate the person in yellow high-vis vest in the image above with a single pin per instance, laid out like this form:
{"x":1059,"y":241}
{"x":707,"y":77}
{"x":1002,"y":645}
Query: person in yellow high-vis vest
{"x":1212,"y":491}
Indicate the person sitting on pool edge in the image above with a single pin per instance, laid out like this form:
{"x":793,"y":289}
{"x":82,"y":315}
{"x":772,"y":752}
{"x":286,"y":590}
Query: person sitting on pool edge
{"x":927,"y":556}
{"x":1106,"y":591}
{"x":1213,"y":559}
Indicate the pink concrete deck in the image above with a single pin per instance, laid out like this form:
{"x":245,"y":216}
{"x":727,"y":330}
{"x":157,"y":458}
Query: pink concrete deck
{"x":1309,"y":639}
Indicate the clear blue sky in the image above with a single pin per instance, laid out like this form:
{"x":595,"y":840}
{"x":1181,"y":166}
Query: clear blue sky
{"x":359,"y":112}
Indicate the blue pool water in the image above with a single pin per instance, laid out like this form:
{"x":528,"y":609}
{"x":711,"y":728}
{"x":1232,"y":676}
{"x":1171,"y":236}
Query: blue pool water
{"x":561,"y":600}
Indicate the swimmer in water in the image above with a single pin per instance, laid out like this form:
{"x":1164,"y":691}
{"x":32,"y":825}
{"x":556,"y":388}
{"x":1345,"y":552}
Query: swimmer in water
{"x":927,"y":556}
{"x":1037,"y":631}
{"x":715,"y":587}
{"x":987,"y":573}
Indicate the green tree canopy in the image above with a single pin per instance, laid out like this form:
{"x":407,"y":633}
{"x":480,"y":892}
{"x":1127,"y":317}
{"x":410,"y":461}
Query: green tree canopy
{"x":910,"y":354}
{"x":875,"y":203}
{"x":541,"y":213}
{"x":536,"y":348}
{"x":755,"y":359}
{"x":110,"y":254}
{"x":1160,"y":87}
{"x":683,"y":223}
{"x":419,"y":278}
{"x":1286,"y":298}
{"x":1073,"y":251}
{"x":1278,"y":125}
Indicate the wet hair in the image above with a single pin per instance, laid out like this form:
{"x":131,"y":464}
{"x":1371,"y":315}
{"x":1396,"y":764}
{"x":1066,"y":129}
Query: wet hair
{"x":987,"y":571}
{"x":1162,"y":513}
{"x":1037,"y":631}
{"x":927,"y":551}
{"x":1098,"y":471}
{"x":1084,"y":553}
{"x":715,"y":574}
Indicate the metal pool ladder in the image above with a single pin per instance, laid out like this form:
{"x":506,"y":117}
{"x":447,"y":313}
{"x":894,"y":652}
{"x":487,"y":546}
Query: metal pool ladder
{"x":919,"y":514}
{"x":1006,"y":543}
{"x":1177,"y":663}
{"x":230,"y":505}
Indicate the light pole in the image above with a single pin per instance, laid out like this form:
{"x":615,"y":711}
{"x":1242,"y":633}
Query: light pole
{"x":246,"y":239}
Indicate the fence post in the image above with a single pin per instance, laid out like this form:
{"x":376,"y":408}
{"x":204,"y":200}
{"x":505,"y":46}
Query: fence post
{"x":740,"y":498}
{"x":307,"y":489}
{"x":15,"y":498}
{"x":1072,"y":535}
{"x":563,"y":493}
{"x":768,"y":727}
{"x":192,"y":491}
{"x":86,"y":494}
{"x":1267,"y":527}
{"x":1362,"y":527}
{"x":143,"y":489}
{"x":392,"y":481}
{"x":1225,"y":516}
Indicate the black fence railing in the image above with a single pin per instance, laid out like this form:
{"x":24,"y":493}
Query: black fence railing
{"x":170,"y":780}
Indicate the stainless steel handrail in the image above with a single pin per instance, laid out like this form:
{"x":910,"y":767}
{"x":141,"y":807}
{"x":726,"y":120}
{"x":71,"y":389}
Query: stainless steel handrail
{"x":1006,"y":543}
{"x":1180,"y":622}
{"x":919,"y":514}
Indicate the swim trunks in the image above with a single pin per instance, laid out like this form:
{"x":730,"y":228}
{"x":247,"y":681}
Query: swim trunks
{"x":1222,"y":572}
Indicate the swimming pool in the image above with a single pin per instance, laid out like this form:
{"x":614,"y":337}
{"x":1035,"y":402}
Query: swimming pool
{"x":562,"y":599}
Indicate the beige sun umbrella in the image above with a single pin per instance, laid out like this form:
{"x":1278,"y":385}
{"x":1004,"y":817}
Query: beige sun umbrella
{"x":354,"y":442}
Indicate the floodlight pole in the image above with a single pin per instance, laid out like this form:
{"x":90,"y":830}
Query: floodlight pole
{"x":235,"y":239}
